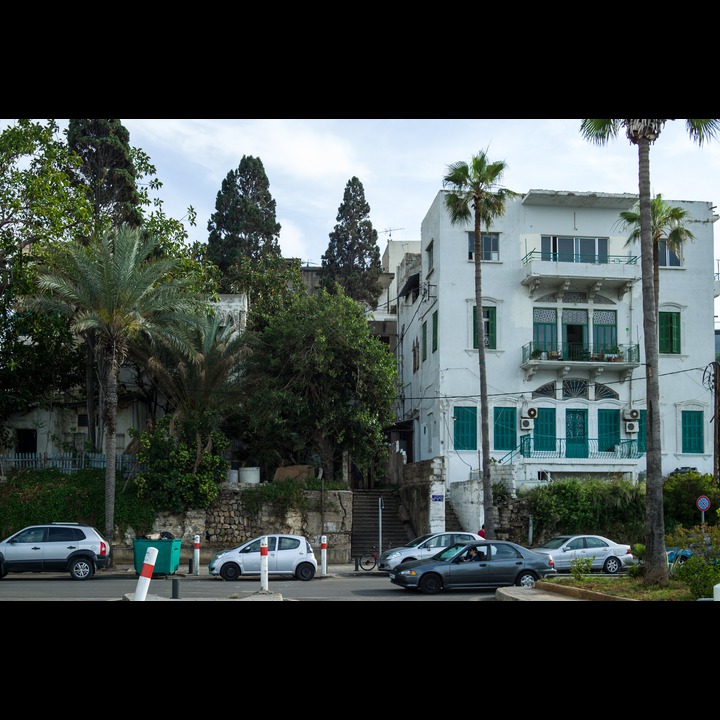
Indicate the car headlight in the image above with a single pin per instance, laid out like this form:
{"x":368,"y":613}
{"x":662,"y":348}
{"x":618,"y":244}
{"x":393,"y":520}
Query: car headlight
{"x":409,"y":572}
{"x":392,"y":555}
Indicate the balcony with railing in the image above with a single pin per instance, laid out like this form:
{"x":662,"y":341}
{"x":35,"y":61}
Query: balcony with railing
{"x":565,"y":356}
{"x":547,"y":272}
{"x":574,"y":448}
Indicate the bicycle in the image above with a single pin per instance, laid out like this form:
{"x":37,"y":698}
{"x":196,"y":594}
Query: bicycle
{"x":369,"y":560}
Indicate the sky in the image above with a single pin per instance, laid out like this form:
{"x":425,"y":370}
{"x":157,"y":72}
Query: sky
{"x":401,"y":163}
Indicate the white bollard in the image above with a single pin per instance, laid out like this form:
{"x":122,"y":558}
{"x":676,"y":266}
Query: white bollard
{"x":323,"y":555}
{"x":264,"y":563}
{"x":145,"y":574}
{"x":716,"y":592}
{"x":196,"y":556}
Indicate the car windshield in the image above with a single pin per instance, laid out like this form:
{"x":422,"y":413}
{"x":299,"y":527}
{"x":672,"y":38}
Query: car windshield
{"x":449,"y":552}
{"x":554,"y":543}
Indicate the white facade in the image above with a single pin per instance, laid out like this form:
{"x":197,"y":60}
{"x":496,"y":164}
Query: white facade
{"x":560,"y":290}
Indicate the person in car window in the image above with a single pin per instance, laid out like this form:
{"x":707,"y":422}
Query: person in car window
{"x":474,"y":555}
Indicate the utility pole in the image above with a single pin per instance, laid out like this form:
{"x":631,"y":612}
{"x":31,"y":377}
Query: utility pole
{"x":712,"y":380}
{"x":716,"y":424}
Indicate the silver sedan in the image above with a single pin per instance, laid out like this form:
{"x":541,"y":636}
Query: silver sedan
{"x":606,"y":555}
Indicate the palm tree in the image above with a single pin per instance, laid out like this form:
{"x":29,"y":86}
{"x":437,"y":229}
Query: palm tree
{"x":667,"y":224}
{"x":476,"y":195}
{"x":204,"y":393}
{"x":643,"y":133}
{"x":116,"y":288}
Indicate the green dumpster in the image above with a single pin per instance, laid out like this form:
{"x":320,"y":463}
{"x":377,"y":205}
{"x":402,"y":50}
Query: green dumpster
{"x":168,"y":556}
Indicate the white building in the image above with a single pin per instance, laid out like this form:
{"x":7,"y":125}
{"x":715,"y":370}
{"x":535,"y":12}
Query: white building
{"x":562,"y":299}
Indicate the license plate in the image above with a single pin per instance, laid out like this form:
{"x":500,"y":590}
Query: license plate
{"x":391,"y":576}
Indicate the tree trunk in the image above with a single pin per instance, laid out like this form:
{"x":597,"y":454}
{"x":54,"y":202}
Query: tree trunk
{"x":90,"y":389}
{"x":656,"y":571}
{"x":484,"y":454}
{"x":111,"y":403}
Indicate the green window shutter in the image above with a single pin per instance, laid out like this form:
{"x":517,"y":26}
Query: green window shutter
{"x":465,"y":428}
{"x":435,"y":331}
{"x":642,"y":432}
{"x":475,"y":331}
{"x":490,"y":316}
{"x":676,"y":333}
{"x":423,"y":341}
{"x":608,"y":430}
{"x":545,"y":430}
{"x":692,"y":431}
{"x":669,"y":332}
{"x":505,"y":428}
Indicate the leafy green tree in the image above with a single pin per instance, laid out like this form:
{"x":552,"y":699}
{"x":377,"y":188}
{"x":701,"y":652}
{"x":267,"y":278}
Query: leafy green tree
{"x":39,"y":207}
{"x":318,"y":383}
{"x":476,"y":195}
{"x":117,"y":288}
{"x":352,"y":259}
{"x":668,"y":223}
{"x":180,"y":475}
{"x":643,"y":133}
{"x":274,"y":282}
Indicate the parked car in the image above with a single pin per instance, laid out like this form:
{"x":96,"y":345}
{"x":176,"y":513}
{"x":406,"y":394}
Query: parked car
{"x":679,"y":556}
{"x":498,"y":564}
{"x":422,"y":547}
{"x":55,"y":547}
{"x":607,"y":556}
{"x":286,"y":555}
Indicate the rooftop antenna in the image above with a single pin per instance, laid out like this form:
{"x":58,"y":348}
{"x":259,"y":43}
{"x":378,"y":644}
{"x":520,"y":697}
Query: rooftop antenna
{"x":389,"y":231}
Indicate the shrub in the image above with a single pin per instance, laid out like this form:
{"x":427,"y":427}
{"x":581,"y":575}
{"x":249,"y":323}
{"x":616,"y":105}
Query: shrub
{"x":699,"y":575}
{"x":184,"y":469}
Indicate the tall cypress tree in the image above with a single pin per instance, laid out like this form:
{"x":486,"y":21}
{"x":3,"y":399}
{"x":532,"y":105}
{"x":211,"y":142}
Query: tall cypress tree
{"x":352,"y":259}
{"x":243,"y":226}
{"x":107,"y":170}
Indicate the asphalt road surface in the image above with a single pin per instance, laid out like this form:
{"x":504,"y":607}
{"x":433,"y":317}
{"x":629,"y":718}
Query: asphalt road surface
{"x":113,"y":585}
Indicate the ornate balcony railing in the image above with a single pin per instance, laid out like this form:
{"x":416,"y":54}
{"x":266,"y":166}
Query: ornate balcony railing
{"x":580,"y":352}
{"x":574,"y":448}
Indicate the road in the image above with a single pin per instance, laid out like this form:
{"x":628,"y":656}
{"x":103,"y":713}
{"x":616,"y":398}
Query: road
{"x":108,"y":585}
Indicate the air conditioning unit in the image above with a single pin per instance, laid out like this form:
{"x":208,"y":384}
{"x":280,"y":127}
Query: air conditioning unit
{"x":526,"y":423}
{"x":632,"y":414}
{"x":631,"y":426}
{"x":532,"y":412}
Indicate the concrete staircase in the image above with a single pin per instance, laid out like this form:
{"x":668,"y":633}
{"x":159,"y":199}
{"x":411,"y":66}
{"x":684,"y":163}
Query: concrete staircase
{"x":451,"y":520}
{"x":366,"y":521}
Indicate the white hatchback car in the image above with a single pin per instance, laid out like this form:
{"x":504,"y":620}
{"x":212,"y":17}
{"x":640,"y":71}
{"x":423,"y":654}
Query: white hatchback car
{"x":286,"y":554}
{"x":423,"y":547}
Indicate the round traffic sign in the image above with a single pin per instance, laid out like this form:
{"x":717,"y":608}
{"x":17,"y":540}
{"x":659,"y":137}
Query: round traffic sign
{"x":703,"y":503}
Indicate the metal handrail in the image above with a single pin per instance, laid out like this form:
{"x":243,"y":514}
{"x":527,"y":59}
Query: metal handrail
{"x":577,"y":449}
{"x":592,"y":259}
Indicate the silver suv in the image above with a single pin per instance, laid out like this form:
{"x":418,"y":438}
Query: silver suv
{"x":55,"y":547}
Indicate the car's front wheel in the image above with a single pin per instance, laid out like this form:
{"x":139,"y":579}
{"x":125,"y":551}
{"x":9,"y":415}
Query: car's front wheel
{"x":3,"y":571}
{"x":81,"y":569}
{"x":305,"y":571}
{"x":612,"y":566}
{"x":230,"y":571}
{"x":526,"y":579}
{"x":430,"y":584}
